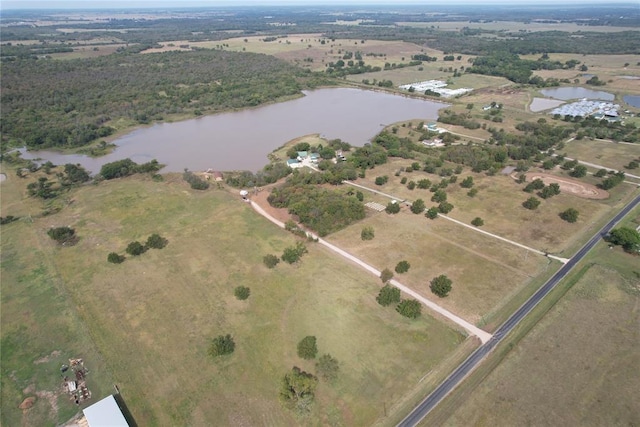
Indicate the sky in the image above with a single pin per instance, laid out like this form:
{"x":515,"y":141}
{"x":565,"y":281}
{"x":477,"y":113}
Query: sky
{"x":121,"y":4}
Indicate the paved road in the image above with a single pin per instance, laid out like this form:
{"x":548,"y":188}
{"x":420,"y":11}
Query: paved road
{"x":456,"y":377}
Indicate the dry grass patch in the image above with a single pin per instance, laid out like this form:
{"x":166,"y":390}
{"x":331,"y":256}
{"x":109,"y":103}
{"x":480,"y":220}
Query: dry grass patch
{"x":579,"y":363}
{"x":607,"y":154}
{"x":483,"y":273}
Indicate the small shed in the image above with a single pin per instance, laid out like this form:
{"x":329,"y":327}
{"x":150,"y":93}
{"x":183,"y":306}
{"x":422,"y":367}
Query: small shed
{"x":105,"y":413}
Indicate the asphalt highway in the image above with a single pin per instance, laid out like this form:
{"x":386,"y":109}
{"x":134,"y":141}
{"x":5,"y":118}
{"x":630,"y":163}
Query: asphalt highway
{"x":466,"y":367}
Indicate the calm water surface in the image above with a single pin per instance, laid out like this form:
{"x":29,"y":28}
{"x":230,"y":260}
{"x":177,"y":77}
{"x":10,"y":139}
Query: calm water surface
{"x":633,"y":100}
{"x":573,"y":92}
{"x":242,"y":140}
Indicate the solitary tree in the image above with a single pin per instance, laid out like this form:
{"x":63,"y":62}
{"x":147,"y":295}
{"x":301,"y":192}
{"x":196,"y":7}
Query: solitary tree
{"x":409,"y":308}
{"x":63,"y":235}
{"x":388,"y":295}
{"x":432,"y":213}
{"x":467,"y":182}
{"x":292,"y":254}
{"x":531,"y":203}
{"x":477,"y":221}
{"x":393,"y":207}
{"x":439,"y":196}
{"x":570,"y":215}
{"x":626,"y":237}
{"x":135,"y":248}
{"x":579,"y":171}
{"x":222,"y":345}
{"x":270,"y":260}
{"x":297,"y":390}
{"x":445,"y":207}
{"x":156,"y":241}
{"x":328,"y":367}
{"x":386,"y":275}
{"x":417,"y":207}
{"x":367,"y":233}
{"x":115,"y":258}
{"x":242,"y":292}
{"x":307,"y":348}
{"x":402,"y":267}
{"x":441,"y":286}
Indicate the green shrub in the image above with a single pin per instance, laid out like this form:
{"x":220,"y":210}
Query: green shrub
{"x":242,"y":292}
{"x":222,"y":345}
{"x":115,"y":258}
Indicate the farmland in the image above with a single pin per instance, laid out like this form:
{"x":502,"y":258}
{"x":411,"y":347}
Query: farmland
{"x":146,"y":324}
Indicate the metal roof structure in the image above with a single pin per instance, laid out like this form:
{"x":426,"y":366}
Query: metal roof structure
{"x":105,"y":413}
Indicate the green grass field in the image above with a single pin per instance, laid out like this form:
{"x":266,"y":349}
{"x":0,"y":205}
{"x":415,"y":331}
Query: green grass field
{"x":145,"y":324}
{"x":578,"y":366}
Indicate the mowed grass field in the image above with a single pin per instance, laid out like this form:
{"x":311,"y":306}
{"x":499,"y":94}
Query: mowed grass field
{"x":579,"y":364}
{"x":607,"y":154}
{"x":499,"y":204}
{"x":485,"y":272}
{"x":149,"y":321}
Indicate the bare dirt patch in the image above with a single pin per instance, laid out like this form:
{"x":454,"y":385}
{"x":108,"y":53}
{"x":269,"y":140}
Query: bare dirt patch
{"x":571,"y":186}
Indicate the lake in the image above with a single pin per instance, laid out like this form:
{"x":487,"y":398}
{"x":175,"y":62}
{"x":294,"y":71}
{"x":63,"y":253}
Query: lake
{"x":574,"y":92}
{"x":241,"y":140}
{"x":633,"y":100}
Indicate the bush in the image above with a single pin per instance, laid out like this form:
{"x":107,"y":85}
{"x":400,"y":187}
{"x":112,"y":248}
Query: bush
{"x":328,"y":367}
{"x":393,"y":207}
{"x":194,"y":181}
{"x":424,"y":184}
{"x":135,"y":248}
{"x":418,"y":206}
{"x":403,"y":180}
{"x":381,"y":180}
{"x":307,"y":348}
{"x":114,"y":258}
{"x":441,"y":286}
{"x":386,"y":275}
{"x":222,"y":345}
{"x":270,"y":260}
{"x":601,"y":173}
{"x":570,"y":215}
{"x":472,"y":192}
{"x":65,"y":236}
{"x":155,"y":241}
{"x":367,"y":233}
{"x":432,"y":213}
{"x":467,"y":182}
{"x":411,"y":185}
{"x":549,"y":191}
{"x":409,"y":308}
{"x":292,"y":254}
{"x":388,"y":295}
{"x":579,"y":171}
{"x":536,"y":184}
{"x":445,"y":207}
{"x":242,"y":292}
{"x":531,"y":203}
{"x":402,"y":267}
{"x":477,"y":222}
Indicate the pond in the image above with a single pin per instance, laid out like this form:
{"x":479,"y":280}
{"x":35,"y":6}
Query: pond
{"x":574,"y":92}
{"x":541,"y":104}
{"x":633,"y":100}
{"x":241,"y":140}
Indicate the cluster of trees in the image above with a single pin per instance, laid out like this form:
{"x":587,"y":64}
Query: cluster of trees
{"x":322,"y":210}
{"x":590,"y":127}
{"x":126,"y":167}
{"x":626,"y":237}
{"x":390,"y":295}
{"x":195,"y":182}
{"x":71,"y":103}
{"x":135,"y":248}
{"x":612,"y":180}
{"x":268,"y":175}
{"x":459,"y":119}
{"x":47,"y":189}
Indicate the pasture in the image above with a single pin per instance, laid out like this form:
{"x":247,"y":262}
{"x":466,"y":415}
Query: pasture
{"x":604,"y":153}
{"x":146,"y":324}
{"x":579,"y":362}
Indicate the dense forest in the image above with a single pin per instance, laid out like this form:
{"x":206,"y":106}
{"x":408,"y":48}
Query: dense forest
{"x":70,"y":103}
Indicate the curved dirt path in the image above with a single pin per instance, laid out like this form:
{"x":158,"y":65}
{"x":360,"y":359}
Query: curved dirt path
{"x":472,"y":329}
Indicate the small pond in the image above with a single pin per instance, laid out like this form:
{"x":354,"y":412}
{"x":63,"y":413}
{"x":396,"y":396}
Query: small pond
{"x":541,"y":104}
{"x":574,"y":92}
{"x":633,"y":100}
{"x":241,"y":140}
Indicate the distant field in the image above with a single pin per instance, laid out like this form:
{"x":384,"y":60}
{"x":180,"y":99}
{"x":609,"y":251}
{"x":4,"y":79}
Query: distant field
{"x":499,"y":204}
{"x":607,"y":154}
{"x":150,"y":319}
{"x":578,"y":366}
{"x":516,"y":26}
